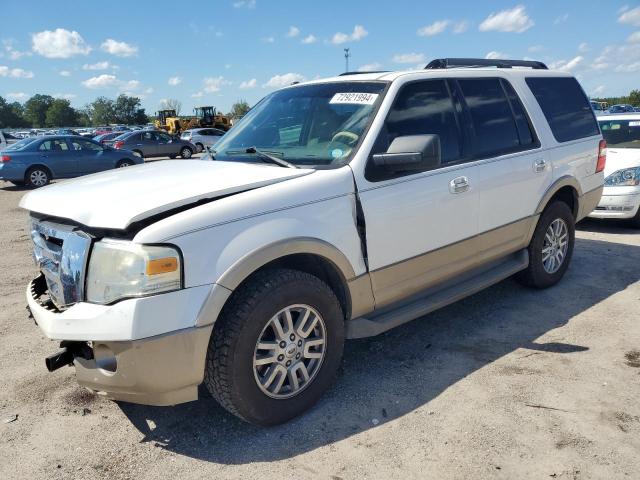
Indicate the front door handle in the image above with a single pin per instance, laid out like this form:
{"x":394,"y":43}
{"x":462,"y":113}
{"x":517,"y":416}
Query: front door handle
{"x":459,"y":185}
{"x":539,"y":165}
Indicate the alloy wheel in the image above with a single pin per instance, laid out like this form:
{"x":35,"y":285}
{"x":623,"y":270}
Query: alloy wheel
{"x":555,"y":246}
{"x":38,"y":178}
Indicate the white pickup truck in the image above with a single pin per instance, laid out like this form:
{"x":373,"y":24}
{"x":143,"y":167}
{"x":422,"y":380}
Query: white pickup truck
{"x":336,"y":208}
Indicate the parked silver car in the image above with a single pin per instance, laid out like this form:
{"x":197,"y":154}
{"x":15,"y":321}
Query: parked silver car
{"x":202,"y":137}
{"x":149,"y":143}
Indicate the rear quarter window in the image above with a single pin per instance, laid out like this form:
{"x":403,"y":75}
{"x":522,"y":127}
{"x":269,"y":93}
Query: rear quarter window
{"x":565,"y":106}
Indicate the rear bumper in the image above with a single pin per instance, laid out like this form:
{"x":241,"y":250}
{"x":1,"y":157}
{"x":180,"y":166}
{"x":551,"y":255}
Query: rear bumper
{"x":618,"y":203}
{"x":588,"y":202}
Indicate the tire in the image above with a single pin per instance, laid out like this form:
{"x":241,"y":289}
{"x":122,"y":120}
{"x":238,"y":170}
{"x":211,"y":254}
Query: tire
{"x":557,"y":216}
{"x":186,"y":153}
{"x":124,"y":163}
{"x":172,"y":157}
{"x":200,"y":147}
{"x":37,"y":177}
{"x":231,"y":373}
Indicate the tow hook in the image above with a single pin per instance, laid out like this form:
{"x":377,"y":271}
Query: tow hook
{"x":70,"y":350}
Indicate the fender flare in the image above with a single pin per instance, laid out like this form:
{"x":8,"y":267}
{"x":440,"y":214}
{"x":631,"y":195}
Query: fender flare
{"x":564,"y":181}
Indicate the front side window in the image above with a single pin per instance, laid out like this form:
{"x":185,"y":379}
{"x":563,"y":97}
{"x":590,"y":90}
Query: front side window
{"x":621,"y":133}
{"x":53,"y":146}
{"x":316,"y":125}
{"x":565,"y":106}
{"x":491,"y":116}
{"x":85,"y":145}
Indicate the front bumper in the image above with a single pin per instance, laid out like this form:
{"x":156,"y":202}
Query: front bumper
{"x":148,"y":350}
{"x":618,"y":203}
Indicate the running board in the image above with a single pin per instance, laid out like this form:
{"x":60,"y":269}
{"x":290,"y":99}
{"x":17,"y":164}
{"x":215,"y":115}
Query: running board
{"x":438,"y":297}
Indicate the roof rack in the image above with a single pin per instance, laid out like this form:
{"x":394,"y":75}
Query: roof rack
{"x":441,"y":63}
{"x":362,"y":73}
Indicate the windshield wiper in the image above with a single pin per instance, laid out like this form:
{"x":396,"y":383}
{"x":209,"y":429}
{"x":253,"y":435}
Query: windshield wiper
{"x":270,"y":158}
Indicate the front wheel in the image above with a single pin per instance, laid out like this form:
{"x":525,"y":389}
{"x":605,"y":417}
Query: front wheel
{"x":276,"y":347}
{"x":551,"y":247}
{"x":186,"y":153}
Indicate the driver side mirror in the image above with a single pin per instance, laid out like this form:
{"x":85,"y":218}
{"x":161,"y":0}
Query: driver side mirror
{"x":411,"y":153}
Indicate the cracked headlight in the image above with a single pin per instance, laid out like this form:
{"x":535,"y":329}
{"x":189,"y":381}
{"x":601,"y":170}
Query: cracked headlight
{"x":120,"y":269}
{"x":628,"y":177}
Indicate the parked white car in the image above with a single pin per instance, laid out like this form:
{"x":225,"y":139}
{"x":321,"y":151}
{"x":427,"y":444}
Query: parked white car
{"x":202,"y":137}
{"x":7,"y":139}
{"x":335,"y":208}
{"x":621,"y":195}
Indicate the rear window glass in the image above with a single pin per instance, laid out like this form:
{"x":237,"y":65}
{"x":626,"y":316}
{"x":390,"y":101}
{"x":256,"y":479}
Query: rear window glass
{"x":493,"y":122}
{"x":565,"y":106}
{"x":621,"y":133}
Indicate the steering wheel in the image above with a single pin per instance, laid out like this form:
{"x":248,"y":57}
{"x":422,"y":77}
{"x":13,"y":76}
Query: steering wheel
{"x":352,"y":138}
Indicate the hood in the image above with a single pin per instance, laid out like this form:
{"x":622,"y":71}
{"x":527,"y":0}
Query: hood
{"x":117,"y":198}
{"x":619,"y":158}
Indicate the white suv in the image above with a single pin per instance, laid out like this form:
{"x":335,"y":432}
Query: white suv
{"x":337,"y":208}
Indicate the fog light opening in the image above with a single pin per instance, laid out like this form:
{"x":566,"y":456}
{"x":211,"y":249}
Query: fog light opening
{"x":105,"y":359}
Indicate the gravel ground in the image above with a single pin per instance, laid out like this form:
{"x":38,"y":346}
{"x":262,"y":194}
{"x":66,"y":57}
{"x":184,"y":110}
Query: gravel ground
{"x":510,"y":383}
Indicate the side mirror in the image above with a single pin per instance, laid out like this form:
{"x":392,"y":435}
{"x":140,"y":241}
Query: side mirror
{"x":411,"y":153}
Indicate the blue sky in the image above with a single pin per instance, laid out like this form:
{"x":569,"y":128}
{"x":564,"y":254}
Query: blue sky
{"x":217,"y":51}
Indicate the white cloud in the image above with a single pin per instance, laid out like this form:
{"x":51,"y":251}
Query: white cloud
{"x":173,"y":81}
{"x":12,"y":53}
{"x":15,"y":72}
{"x":197,"y":95}
{"x":409,"y":58}
{"x":620,"y":58}
{"x":634,"y":37}
{"x":631,"y":17}
{"x":130,"y":85}
{"x":513,"y":20}
{"x":214,"y":84}
{"x":64,"y":73}
{"x":435,"y":28}
{"x":253,"y":83}
{"x":17,"y":96}
{"x":561,"y":19}
{"x":269,"y":39}
{"x":535,"y":48}
{"x":293,"y":32}
{"x":279,"y":81}
{"x":359,"y":32}
{"x":566,"y":66}
{"x":244,"y":4}
{"x":368,"y":67}
{"x":101,"y":81}
{"x":493,"y":55}
{"x":599,"y":90}
{"x":65,"y":96}
{"x":59,"y":43}
{"x":98,"y":66}
{"x":120,"y":49}
{"x":583,"y":47}
{"x":628,"y":67}
{"x":460,"y":27}
{"x":309,"y":39}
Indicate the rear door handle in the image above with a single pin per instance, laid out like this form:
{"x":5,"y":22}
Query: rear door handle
{"x":539,"y":165}
{"x":459,"y":185}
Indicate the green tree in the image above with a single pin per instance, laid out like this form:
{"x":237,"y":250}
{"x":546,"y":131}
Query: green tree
{"x":101,"y":111}
{"x":128,"y":110}
{"x":634,"y":97}
{"x":61,"y":114}
{"x":239,"y":110}
{"x":11,"y":115}
{"x":171,"y":104}
{"x":35,"y":109}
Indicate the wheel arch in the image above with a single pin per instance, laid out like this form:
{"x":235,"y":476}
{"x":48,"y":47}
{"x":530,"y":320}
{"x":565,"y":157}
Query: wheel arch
{"x":566,"y":189}
{"x":38,"y":165}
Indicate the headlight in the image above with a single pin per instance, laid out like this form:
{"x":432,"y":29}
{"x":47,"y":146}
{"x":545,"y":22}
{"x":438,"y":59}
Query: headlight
{"x":628,"y":177}
{"x":121,"y":269}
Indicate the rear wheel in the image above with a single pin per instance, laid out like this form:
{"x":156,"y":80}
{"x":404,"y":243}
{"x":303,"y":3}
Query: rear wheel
{"x":37,"y":177}
{"x":186,"y":153}
{"x":276,"y":347}
{"x":551,"y":247}
{"x":124,"y":163}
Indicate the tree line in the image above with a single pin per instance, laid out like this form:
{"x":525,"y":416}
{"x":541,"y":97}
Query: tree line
{"x":632,"y":99}
{"x":46,"y":111}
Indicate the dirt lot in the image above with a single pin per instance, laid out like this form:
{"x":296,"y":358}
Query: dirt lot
{"x":510,"y":383}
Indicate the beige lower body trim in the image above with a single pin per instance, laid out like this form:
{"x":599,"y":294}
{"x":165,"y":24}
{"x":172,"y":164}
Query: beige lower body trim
{"x":588,"y":202}
{"x":162,"y":370}
{"x":362,"y":301}
{"x":399,"y":281}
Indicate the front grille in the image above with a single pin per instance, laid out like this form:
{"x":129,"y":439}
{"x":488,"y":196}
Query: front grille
{"x":60,"y":252}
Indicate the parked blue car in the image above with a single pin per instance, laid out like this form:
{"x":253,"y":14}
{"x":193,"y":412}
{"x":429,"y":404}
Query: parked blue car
{"x":36,"y":161}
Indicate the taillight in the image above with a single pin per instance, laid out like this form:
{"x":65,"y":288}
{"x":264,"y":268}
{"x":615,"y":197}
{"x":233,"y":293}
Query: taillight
{"x":118,"y":144}
{"x":5,"y":158}
{"x":602,"y":156}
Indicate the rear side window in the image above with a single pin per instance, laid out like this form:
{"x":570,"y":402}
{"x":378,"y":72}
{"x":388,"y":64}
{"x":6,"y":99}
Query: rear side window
{"x":493,"y":121}
{"x":522,"y":122}
{"x":565,"y":106}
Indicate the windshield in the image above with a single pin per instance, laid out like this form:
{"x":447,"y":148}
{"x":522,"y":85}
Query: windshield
{"x":19,"y":145}
{"x":621,"y":133}
{"x":310,"y":125}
